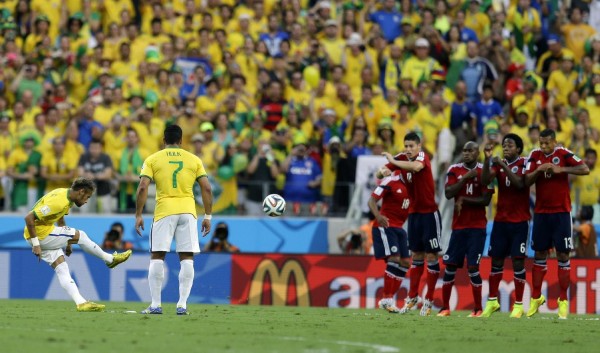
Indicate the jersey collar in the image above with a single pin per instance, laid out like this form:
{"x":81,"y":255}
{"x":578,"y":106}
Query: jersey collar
{"x":68,"y":197}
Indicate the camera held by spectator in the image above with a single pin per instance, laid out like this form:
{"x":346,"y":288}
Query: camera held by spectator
{"x":219,"y":241}
{"x":113,"y":240}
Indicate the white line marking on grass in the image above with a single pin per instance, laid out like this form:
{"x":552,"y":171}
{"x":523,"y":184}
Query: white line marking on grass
{"x":375,"y":347}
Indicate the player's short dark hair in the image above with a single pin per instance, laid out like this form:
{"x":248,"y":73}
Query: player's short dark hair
{"x":173,"y":134}
{"x":587,"y":213}
{"x":518,"y":141}
{"x":83,"y":183}
{"x":548,"y":133}
{"x":412,"y":136}
{"x":488,"y":86}
{"x":96,"y":140}
{"x":590,"y":151}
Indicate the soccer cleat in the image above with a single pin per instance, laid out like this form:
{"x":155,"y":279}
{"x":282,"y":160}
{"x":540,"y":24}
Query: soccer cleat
{"x":490,"y":307}
{"x":388,"y":304}
{"x":535,"y":304}
{"x":119,"y":258}
{"x":426,"y":308}
{"x":410,"y":304}
{"x":90,"y":306}
{"x":475,"y":313}
{"x":563,"y":309}
{"x":152,"y":311}
{"x":517,"y":311}
{"x":444,"y":312}
{"x":182,"y":311}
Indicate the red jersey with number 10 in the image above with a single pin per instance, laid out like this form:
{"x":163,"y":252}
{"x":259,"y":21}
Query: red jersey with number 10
{"x":552,"y":190}
{"x":420,"y":185}
{"x":513,"y":203}
{"x":470,"y":216}
{"x":395,"y":200}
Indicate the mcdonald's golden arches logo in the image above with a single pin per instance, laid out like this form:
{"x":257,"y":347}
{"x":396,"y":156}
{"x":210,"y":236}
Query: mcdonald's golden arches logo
{"x":280,"y":281}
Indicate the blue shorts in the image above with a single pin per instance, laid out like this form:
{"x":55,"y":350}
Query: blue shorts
{"x":509,"y":239}
{"x":465,"y":242}
{"x":552,"y":230}
{"x":424,"y":232}
{"x":389,"y":242}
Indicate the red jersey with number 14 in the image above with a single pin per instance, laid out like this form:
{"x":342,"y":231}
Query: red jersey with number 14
{"x":420,"y":185}
{"x":395,"y":200}
{"x":552,"y":190}
{"x":513,"y":203}
{"x":470,"y":216}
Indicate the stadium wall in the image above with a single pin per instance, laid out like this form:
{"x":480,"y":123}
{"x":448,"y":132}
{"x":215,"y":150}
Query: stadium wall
{"x":270,"y":279}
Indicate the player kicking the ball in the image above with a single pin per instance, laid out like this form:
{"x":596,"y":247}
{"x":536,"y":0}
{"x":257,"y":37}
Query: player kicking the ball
{"x":390,"y":241}
{"x":424,"y":221}
{"x":549,"y":167}
{"x":48,"y":240}
{"x":472,"y":195}
{"x":511,"y":225}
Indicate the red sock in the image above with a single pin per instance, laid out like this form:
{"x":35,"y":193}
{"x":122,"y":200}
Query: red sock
{"x":432,"y":278}
{"x":476,"y":295}
{"x":495,"y":278}
{"x":519,"y":289}
{"x":416,"y":271}
{"x":387,"y":281}
{"x":537,"y":277}
{"x":394,"y":285}
{"x":446,"y":291}
{"x":564,"y":279}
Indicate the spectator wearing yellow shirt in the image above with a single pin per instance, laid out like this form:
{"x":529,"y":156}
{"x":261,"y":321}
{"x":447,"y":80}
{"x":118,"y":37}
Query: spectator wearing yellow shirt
{"x":585,"y":190}
{"x":432,"y":119}
{"x":530,"y":100}
{"x":368,"y":110}
{"x":550,"y":60}
{"x":403,"y":123}
{"x":576,"y":32}
{"x":115,"y":139}
{"x":104,"y":112}
{"x":420,"y":66}
{"x":17,"y":124}
{"x":581,"y":141}
{"x":7,"y":140}
{"x":149,"y":129}
{"x":53,"y":12}
{"x":561,"y":82}
{"x":342,"y":102}
{"x":212,"y":152}
{"x":520,"y":127}
{"x":112,"y":9}
{"x":524,"y":22}
{"x":477,"y":20}
{"x":124,"y":66}
{"x":354,"y":59}
{"x":332,"y":44}
{"x":294,"y":92}
{"x":79,"y":77}
{"x":57,"y":168}
{"x":22,"y":166}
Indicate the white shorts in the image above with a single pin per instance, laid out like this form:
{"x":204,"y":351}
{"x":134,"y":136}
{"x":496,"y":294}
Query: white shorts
{"x":52,"y":245}
{"x":184,"y":227}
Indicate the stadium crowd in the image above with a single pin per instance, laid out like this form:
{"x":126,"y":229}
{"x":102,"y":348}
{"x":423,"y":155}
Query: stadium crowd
{"x":285,"y":93}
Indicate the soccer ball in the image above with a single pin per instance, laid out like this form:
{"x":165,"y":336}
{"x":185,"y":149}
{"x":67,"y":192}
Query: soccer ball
{"x":274,"y":205}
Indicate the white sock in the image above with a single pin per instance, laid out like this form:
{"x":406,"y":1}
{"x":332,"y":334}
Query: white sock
{"x":156,"y":275}
{"x":66,"y":281}
{"x":92,"y":248}
{"x":186,"y":279}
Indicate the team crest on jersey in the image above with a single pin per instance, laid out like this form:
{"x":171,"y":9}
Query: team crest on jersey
{"x":555,"y":160}
{"x":45,"y":210}
{"x":514,"y":169}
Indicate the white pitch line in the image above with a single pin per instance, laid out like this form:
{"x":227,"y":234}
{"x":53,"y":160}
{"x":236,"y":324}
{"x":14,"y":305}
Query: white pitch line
{"x":375,"y":347}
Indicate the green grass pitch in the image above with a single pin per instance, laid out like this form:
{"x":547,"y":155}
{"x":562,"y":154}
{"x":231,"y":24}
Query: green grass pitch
{"x":55,"y":326}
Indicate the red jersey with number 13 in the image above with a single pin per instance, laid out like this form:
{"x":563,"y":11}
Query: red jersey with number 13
{"x":420,"y":185}
{"x":513,"y":203}
{"x":552,"y":190}
{"x":471,"y":216}
{"x":395,"y":200}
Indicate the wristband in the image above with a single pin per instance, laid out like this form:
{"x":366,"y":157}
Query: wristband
{"x":208,"y":216}
{"x":35,"y":241}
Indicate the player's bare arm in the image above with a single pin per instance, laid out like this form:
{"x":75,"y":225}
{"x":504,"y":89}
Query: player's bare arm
{"x":140,"y":201}
{"x":410,"y":166}
{"x":452,"y":190}
{"x":581,"y":169}
{"x":515,"y":179}
{"x":531,"y":178}
{"x":381,"y":219}
{"x":30,"y":224}
{"x":207,"y":200}
{"x":487,"y":174}
{"x":383,"y":172}
{"x":482,"y":200}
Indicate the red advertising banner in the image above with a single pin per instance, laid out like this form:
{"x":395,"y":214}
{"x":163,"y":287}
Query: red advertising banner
{"x":356,"y":282}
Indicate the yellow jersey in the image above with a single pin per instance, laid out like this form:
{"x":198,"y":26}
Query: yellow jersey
{"x":588,"y":188}
{"x":174,"y":171}
{"x":563,"y":83}
{"x":48,"y":210}
{"x":62,"y":166}
{"x":418,"y":70}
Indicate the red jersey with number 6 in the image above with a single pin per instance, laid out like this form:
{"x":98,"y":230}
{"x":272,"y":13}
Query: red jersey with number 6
{"x":420,"y":185}
{"x":395,"y":201}
{"x":552,"y":190}
{"x":470,"y":216}
{"x":513,"y":203}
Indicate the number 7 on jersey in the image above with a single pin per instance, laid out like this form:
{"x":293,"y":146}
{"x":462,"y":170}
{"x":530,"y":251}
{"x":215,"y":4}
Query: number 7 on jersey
{"x":179,"y":168}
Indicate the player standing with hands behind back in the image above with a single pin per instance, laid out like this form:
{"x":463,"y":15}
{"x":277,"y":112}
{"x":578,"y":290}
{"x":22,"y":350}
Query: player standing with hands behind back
{"x":174,"y":171}
{"x":511,"y":225}
{"x":549,"y":167}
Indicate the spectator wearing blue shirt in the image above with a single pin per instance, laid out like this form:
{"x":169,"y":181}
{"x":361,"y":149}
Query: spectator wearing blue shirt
{"x":476,"y":71}
{"x":466,"y":33}
{"x":462,"y":122}
{"x":195,"y":86}
{"x":302,"y":178}
{"x":486,"y":109}
{"x":274,"y":37}
{"x":388,"y":19}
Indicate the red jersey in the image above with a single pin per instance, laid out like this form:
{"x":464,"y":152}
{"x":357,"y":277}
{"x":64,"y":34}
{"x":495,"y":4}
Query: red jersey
{"x":420,"y":185}
{"x":470,"y":216}
{"x":552,"y":190}
{"x":513,"y":203}
{"x":395,"y":200}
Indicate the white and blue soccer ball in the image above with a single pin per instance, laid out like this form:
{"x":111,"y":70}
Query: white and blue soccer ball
{"x":274,"y":205}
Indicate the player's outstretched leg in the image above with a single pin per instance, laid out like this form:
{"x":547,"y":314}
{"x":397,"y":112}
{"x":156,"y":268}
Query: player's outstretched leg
{"x":537,"y":277}
{"x":519,"y":279}
{"x":449,"y":275}
{"x":94,"y":249}
{"x":492,"y":304}
{"x":476,"y":284}
{"x":156,"y":275}
{"x":186,"y":279}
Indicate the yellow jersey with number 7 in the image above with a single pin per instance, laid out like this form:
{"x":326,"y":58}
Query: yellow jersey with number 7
{"x":174,"y":171}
